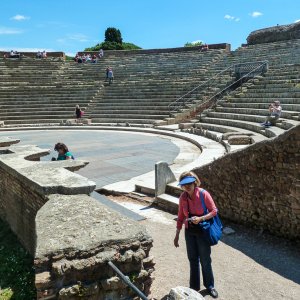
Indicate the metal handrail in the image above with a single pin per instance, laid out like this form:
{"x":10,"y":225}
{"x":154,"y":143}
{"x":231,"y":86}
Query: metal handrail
{"x":199,"y":86}
{"x":233,"y":67}
{"x":234,"y":83}
{"x":127,"y":281}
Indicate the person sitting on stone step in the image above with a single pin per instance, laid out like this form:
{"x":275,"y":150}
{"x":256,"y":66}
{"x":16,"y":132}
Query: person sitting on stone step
{"x":78,"y":113}
{"x":63,"y":152}
{"x":204,"y":48}
{"x":39,"y":54}
{"x":44,"y":54}
{"x":274,"y":114}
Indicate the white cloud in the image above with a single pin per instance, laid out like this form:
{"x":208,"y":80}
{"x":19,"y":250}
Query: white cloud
{"x":256,"y":14}
{"x":228,"y":17}
{"x":19,"y":18}
{"x":79,"y":37}
{"x":231,"y":18}
{"x":6,"y":30}
{"x":297,"y":21}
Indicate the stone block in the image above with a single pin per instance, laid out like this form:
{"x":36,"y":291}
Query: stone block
{"x":86,"y":121}
{"x":239,"y":140}
{"x":184,"y":293}
{"x":186,"y":125}
{"x":163,"y":176}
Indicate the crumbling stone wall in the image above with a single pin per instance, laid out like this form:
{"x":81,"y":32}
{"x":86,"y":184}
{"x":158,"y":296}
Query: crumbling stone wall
{"x":260,"y":185}
{"x":72,"y":264}
{"x":70,"y":235}
{"x":274,"y":34}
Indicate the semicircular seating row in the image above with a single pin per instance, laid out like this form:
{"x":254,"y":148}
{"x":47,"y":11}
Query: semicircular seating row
{"x":46,"y":91}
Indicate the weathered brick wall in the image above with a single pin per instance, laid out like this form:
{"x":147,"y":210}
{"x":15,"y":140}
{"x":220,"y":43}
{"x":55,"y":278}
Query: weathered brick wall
{"x":19,"y":205}
{"x":77,"y":236}
{"x":260,"y":185}
{"x":223,"y":46}
{"x":33,"y":54}
{"x":70,"y":235}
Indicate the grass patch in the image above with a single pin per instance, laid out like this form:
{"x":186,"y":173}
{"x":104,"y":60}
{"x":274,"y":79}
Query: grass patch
{"x":16,"y":268}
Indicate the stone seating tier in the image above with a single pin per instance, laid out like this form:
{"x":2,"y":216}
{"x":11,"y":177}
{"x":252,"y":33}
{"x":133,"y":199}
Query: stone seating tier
{"x":145,"y":84}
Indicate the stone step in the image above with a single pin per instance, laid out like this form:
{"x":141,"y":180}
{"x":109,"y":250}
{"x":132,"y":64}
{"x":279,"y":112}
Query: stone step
{"x":289,"y":107}
{"x":167,"y":203}
{"x":125,"y":120}
{"x":227,"y":129}
{"x":251,"y":126}
{"x":252,"y":111}
{"x":267,"y":100}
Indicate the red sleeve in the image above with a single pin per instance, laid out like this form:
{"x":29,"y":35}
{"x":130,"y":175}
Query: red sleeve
{"x":180,"y":218}
{"x":210,"y":204}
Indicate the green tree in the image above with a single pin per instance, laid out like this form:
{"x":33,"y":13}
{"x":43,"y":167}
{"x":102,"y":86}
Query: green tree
{"x":194,"y":44}
{"x":113,"y":35}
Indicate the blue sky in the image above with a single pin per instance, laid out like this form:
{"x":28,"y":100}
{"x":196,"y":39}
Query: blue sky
{"x":70,"y":26}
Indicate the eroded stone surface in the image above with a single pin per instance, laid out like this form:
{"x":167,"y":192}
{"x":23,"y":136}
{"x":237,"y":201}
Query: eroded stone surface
{"x":275,"y":33}
{"x":96,"y":226}
{"x":76,"y":238}
{"x":184,"y":293}
{"x":7,"y":141}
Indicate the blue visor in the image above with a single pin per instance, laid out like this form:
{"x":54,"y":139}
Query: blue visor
{"x":187,"y":180}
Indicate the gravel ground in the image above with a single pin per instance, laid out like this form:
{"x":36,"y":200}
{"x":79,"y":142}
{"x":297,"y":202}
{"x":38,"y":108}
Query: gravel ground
{"x":248,"y":265}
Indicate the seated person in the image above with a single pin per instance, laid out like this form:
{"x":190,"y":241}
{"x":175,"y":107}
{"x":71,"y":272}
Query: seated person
{"x":204,"y":48}
{"x":44,"y":54}
{"x":39,"y":54}
{"x":275,"y":111}
{"x":101,"y":53}
{"x":94,"y":58}
{"x":14,"y":54}
{"x":63,"y":152}
{"x":88,"y":58}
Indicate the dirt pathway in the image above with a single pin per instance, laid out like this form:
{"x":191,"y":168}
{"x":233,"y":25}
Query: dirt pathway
{"x":248,"y":265}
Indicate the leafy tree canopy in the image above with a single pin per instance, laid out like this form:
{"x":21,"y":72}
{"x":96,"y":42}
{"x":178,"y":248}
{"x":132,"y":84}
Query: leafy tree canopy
{"x":113,"y":41}
{"x":113,"y":35}
{"x":193,"y":44}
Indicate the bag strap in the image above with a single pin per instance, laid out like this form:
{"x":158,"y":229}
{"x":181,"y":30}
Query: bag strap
{"x":202,"y":201}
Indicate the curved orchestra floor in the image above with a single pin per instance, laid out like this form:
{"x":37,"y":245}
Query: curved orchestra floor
{"x":113,"y":155}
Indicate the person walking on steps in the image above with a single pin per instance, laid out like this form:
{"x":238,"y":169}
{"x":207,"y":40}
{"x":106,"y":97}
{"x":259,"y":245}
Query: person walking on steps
{"x":190,"y":213}
{"x":110,"y":76}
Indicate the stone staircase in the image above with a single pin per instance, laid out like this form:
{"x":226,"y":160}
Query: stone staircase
{"x":242,"y":111}
{"x":145,"y":84}
{"x":43,"y":91}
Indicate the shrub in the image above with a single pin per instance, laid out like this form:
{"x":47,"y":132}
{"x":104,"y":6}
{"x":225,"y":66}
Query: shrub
{"x":194,"y":44}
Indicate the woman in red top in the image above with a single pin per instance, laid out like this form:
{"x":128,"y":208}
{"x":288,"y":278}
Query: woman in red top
{"x":198,"y":249}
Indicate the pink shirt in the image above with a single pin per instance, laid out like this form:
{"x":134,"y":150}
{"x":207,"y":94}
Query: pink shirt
{"x":194,"y":206}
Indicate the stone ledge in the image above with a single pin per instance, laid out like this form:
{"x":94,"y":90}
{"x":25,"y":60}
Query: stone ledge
{"x":97,"y":226}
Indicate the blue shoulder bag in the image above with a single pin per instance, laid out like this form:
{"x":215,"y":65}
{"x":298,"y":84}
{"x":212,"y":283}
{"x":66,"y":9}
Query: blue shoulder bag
{"x":212,"y":228}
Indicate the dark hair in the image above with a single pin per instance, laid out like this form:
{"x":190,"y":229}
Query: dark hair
{"x":61,"y":146}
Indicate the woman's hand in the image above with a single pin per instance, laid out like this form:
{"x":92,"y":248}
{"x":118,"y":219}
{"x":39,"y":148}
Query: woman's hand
{"x":196,"y":220}
{"x":176,"y":239}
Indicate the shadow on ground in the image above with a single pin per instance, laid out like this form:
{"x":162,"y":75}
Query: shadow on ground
{"x":276,"y":254}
